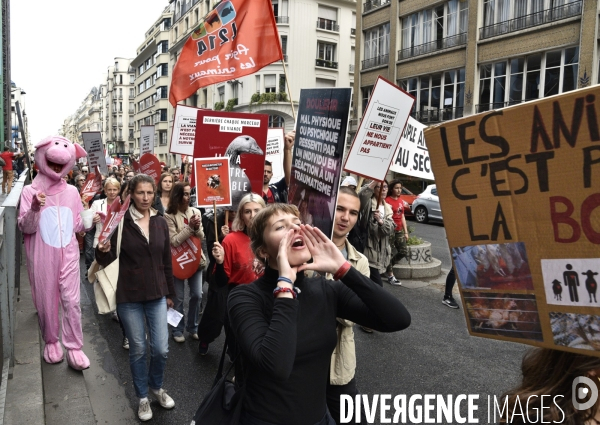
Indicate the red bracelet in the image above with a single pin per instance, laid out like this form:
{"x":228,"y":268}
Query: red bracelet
{"x":342,"y":271}
{"x":280,"y":289}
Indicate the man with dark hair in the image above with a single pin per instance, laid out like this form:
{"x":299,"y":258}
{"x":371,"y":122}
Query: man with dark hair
{"x":277,"y":192}
{"x":7,"y":170}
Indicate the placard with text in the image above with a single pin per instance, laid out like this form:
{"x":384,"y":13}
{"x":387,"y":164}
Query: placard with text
{"x":146,"y":139}
{"x":92,"y":142}
{"x":275,"y":145}
{"x":212,"y":182}
{"x":184,"y":130}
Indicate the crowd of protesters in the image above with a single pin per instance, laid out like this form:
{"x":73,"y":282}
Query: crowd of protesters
{"x":286,"y":295}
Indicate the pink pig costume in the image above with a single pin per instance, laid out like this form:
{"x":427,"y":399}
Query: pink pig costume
{"x":53,"y":251}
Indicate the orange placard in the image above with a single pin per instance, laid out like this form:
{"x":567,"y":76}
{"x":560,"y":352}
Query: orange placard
{"x":212,"y":182}
{"x":186,"y":258}
{"x":92,"y":186}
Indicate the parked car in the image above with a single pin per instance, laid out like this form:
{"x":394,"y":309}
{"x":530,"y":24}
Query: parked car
{"x":427,"y":205}
{"x":408,"y":197}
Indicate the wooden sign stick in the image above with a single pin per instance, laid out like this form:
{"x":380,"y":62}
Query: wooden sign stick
{"x":215,"y":217}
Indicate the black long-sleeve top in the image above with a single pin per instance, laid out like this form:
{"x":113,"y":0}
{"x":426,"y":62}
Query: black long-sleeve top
{"x":287,"y":344}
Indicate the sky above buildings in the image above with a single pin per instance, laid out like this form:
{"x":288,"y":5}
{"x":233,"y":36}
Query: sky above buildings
{"x":61,"y":49}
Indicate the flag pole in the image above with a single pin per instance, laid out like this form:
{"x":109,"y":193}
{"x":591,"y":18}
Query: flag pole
{"x":287,"y":82}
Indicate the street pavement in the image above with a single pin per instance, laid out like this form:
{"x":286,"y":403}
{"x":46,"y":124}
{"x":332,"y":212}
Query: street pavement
{"x":435,"y":355}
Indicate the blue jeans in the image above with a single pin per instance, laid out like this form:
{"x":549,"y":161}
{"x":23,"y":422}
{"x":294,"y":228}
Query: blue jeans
{"x":154,"y":315}
{"x":195,"y":283}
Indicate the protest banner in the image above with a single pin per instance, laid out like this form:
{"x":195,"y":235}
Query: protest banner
{"x":318,"y":153}
{"x":275,"y":153}
{"x":184,"y":130}
{"x":92,"y":185}
{"x":412,"y":157}
{"x":212,"y":182}
{"x":150,"y":166}
{"x":242,"y":138}
{"x":113,"y":216}
{"x":380,"y":130}
{"x":236,"y":38}
{"x":146,"y":139}
{"x":92,"y":142}
{"x":186,"y":258}
{"x":520,"y":187}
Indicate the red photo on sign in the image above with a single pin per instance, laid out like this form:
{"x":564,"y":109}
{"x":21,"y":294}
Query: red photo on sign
{"x":186,"y":258}
{"x":212,"y":182}
{"x":242,"y":138}
{"x":113,"y":216}
{"x":150,"y":166}
{"x":92,"y":186}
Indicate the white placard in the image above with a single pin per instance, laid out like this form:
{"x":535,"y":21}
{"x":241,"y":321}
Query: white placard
{"x":274,"y":155}
{"x":571,"y":282}
{"x":92,"y":142}
{"x":412,"y":156}
{"x":146,"y":139}
{"x":173,"y":317}
{"x":379,"y":133}
{"x":184,"y":130}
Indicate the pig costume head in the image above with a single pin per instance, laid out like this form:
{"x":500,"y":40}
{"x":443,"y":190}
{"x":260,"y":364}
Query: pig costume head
{"x":55,"y":156}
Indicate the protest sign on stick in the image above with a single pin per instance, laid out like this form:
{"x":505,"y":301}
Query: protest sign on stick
{"x":150,"y":166}
{"x":520,"y":189}
{"x":318,"y":153}
{"x":412,"y":156}
{"x":380,"y":130}
{"x":184,"y":130}
{"x":113,"y":216}
{"x":239,"y":136}
{"x":92,"y":185}
{"x":212,"y":182}
{"x":186,"y":258}
{"x":92,"y":142}
{"x":146,"y":139}
{"x":275,"y":153}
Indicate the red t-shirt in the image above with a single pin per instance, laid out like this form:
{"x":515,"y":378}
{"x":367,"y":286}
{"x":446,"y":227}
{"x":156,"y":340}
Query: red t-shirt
{"x":239,"y":262}
{"x":8,"y":158}
{"x":398,"y":209}
{"x":268,"y":197}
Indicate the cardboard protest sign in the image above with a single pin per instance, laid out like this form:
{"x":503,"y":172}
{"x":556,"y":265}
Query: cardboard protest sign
{"x":242,"y":138}
{"x":379,"y":132}
{"x":146,"y":139}
{"x":318,"y":153}
{"x":412,"y":156}
{"x":275,"y":153}
{"x":150,"y":166}
{"x":186,"y":257}
{"x":92,"y":185}
{"x":113,"y":216}
{"x":92,"y":142}
{"x":212,"y":182}
{"x":184,"y":130}
{"x":521,"y":189}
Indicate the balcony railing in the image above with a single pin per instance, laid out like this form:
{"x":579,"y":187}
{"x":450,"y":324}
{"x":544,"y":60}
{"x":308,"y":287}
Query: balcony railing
{"x":376,"y":61}
{"x":432,"y":46}
{"x":131,"y":139}
{"x":282,"y":19}
{"x":131,"y":124}
{"x":352,"y":31}
{"x":527,"y":21}
{"x":374,"y":4}
{"x":326,"y":64}
{"x":351,"y":67}
{"x":328,"y":24}
{"x":120,"y":96}
{"x":437,"y":114}
{"x":131,"y":96}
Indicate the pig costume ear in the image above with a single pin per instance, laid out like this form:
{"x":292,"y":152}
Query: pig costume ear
{"x":79,"y":151}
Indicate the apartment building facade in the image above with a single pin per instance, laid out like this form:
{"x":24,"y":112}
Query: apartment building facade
{"x":87,"y":117}
{"x":318,"y":43}
{"x":149,"y":96}
{"x":461,"y":57}
{"x":17,"y":94}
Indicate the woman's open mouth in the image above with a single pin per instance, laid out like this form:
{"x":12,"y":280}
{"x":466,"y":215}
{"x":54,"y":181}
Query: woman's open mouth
{"x":57,"y":168}
{"x":298,"y":243}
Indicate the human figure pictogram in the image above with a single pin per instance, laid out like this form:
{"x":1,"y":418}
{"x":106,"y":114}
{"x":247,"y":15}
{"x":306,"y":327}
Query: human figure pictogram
{"x":572,"y":281}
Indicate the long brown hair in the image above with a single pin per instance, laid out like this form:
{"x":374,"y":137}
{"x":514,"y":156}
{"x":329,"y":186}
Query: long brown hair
{"x":551,"y":372}
{"x":176,"y":197}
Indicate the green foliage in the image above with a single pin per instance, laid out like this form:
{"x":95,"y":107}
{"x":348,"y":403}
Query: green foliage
{"x":413,"y":240}
{"x":230,"y":104}
{"x":219,"y":106}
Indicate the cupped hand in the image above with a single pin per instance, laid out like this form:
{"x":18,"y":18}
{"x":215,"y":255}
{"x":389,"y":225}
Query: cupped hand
{"x":218,"y":253}
{"x":327,"y":258}
{"x":41,"y":198}
{"x":225,"y":230}
{"x":104,"y":246}
{"x":96,"y":219}
{"x":283,"y":262}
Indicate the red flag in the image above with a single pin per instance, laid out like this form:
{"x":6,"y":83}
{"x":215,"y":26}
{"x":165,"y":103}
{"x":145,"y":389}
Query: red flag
{"x":236,"y":38}
{"x":136,"y":166}
{"x":113,"y":216}
{"x":92,"y":185}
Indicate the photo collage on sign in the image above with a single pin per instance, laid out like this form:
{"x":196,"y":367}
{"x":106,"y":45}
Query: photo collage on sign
{"x":496,"y":279}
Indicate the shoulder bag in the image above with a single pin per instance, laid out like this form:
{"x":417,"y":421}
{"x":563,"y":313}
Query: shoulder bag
{"x":105,"y":283}
{"x":222,"y":405}
{"x":2,"y":162}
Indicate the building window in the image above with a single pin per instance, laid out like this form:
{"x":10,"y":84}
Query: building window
{"x":527,"y":78}
{"x":195,"y":15}
{"x":282,"y":83}
{"x":257,"y":84}
{"x":270,"y":83}
{"x":275,"y":4}
{"x":131,"y":93}
{"x":434,"y":29}
{"x":161,"y":92}
{"x":366,"y":95}
{"x":187,"y":24}
{"x":276,"y":121}
{"x":131,"y":79}
{"x":377,"y":46}
{"x":163,"y":47}
{"x":284,"y":47}
{"x":221,"y":92}
{"x":439,"y":96}
{"x":162,"y":70}
{"x":176,"y":33}
{"x":162,"y":113}
{"x":504,"y":16}
{"x":162,"y":137}
{"x":326,"y":55}
{"x":328,"y":18}
{"x":121,"y":79}
{"x":324,"y":83}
